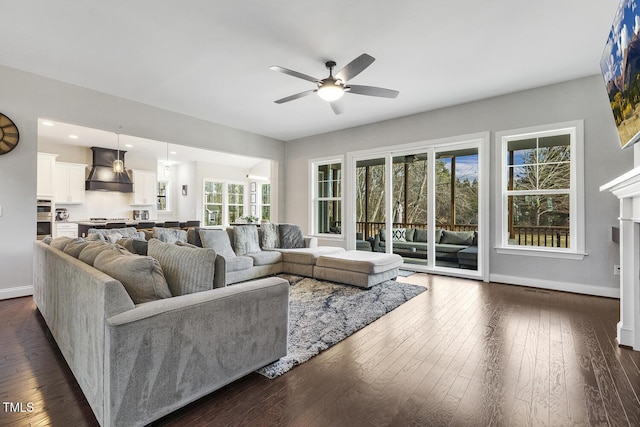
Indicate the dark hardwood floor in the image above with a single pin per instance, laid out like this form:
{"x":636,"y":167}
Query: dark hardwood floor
{"x":464,"y":353}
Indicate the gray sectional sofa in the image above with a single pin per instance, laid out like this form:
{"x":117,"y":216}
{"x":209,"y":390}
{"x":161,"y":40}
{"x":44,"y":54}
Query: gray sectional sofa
{"x":453,"y":246}
{"x":150,"y":326}
{"x":138,"y":361}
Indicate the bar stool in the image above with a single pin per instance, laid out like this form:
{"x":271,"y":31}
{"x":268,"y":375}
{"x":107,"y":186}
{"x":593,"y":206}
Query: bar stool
{"x":192,"y":224}
{"x":172,"y":224}
{"x":110,"y":225}
{"x":145,"y":225}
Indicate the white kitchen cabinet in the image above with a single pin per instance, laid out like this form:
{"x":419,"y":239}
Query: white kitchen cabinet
{"x":67,"y":229}
{"x":45,"y":172}
{"x":144,"y":188}
{"x":69,"y":183}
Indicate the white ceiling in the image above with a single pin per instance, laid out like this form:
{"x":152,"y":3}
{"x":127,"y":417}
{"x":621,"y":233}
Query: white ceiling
{"x":211,"y":59}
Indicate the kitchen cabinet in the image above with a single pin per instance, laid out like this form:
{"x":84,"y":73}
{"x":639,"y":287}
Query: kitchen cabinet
{"x":45,"y":172}
{"x":67,"y":229}
{"x":144,"y":188}
{"x":69,"y":183}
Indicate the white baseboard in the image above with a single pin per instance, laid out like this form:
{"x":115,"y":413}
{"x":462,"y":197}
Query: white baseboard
{"x":21,"y":291}
{"x":601,"y":291}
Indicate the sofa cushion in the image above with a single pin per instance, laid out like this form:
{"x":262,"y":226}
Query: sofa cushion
{"x":307,"y":256}
{"x":237,"y":263}
{"x":245,"y":239}
{"x":89,"y":253}
{"x":218,"y":240}
{"x":113,"y":234}
{"x":265,"y":257}
{"x":447,"y":248}
{"x":193,"y":236}
{"x":290,"y":236}
{"x":60,"y":242}
{"x":186,"y":269}
{"x":269,"y":236}
{"x":135,"y":246}
{"x":141,"y":276}
{"x":75,"y":246}
{"x":464,"y":238}
{"x":410,"y":234}
{"x":361,"y":262}
{"x":169,"y":235}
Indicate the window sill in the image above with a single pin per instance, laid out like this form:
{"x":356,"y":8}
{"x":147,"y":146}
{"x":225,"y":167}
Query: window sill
{"x":540,"y":252}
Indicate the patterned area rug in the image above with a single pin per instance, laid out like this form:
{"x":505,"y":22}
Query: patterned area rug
{"x":322,"y":314}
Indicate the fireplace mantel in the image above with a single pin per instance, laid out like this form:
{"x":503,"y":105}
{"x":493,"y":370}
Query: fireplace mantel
{"x":627,"y":188}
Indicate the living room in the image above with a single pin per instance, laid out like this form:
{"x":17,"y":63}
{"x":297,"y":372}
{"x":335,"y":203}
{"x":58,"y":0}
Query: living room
{"x":29,"y":96}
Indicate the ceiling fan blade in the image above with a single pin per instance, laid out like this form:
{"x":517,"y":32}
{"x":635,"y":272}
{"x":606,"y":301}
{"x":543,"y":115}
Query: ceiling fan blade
{"x":296,"y":96}
{"x":355,"y":67}
{"x":337,"y":106}
{"x":294,"y":74}
{"x":372,"y":91}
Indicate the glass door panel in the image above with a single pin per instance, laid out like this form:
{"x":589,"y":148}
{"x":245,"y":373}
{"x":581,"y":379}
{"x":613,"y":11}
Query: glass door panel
{"x":456,"y":208}
{"x":371,"y":208}
{"x":410,"y":207}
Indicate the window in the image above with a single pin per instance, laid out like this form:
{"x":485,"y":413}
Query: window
{"x":541,"y":187}
{"x":327,"y":197}
{"x":163,"y":196}
{"x":213,"y":203}
{"x":235,"y":202}
{"x":265,"y":202}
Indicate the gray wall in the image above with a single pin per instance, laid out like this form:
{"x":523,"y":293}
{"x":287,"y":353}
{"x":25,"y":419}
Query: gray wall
{"x":604,"y":160}
{"x":26,"y":97}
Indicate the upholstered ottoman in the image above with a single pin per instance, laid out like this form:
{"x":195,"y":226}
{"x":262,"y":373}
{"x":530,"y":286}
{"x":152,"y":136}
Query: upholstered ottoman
{"x":301,"y":260}
{"x":358,"y":268}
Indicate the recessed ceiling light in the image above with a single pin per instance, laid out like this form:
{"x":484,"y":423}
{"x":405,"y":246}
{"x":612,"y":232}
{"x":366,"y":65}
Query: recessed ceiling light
{"x":47,"y":123}
{"x":128,"y":145}
{"x":73,"y":136}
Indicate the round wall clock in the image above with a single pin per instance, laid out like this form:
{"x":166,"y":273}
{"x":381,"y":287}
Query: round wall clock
{"x":9,"y":135}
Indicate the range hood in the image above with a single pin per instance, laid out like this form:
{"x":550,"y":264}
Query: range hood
{"x":102,"y":177}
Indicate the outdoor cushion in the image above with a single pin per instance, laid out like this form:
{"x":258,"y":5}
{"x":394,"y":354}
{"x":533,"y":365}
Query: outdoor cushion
{"x":410,"y":234}
{"x":245,"y":239}
{"x":420,"y":235}
{"x":399,"y":234}
{"x":140,"y":275}
{"x":186,"y":269}
{"x":265,"y":257}
{"x":464,"y":238}
{"x":448,"y":248}
{"x":217,"y":240}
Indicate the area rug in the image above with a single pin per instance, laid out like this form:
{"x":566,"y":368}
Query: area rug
{"x":323,"y":313}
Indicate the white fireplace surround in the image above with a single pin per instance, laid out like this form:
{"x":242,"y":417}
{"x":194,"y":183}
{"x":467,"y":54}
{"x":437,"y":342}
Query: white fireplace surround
{"x":627,"y":188}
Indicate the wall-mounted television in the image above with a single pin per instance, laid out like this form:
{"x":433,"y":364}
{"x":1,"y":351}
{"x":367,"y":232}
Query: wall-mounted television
{"x":620,"y":65}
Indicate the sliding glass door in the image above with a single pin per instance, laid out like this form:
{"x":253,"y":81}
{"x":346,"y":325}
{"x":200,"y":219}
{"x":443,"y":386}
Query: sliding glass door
{"x":422,"y":203}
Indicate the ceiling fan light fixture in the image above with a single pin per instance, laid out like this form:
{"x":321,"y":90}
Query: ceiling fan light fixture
{"x":330,"y":91}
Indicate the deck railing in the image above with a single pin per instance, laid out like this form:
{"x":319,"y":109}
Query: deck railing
{"x":523,"y":236}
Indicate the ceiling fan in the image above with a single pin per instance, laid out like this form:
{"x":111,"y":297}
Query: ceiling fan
{"x":331,"y":89}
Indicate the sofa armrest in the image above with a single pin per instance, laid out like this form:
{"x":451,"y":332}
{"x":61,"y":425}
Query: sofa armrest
{"x":310,"y":242}
{"x":191,"y":345}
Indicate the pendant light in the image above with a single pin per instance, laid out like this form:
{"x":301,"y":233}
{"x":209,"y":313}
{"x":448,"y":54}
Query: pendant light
{"x":118,"y":165}
{"x":167,"y":165}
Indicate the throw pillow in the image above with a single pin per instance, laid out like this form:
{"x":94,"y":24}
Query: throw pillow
{"x":141,"y":276}
{"x":420,"y":236}
{"x":245,"y":239}
{"x":89,"y":253}
{"x":135,"y":246}
{"x":75,"y":246}
{"x":169,"y":235}
{"x":457,"y":237}
{"x":410,"y":236}
{"x":290,"y":236}
{"x":193,"y":236}
{"x":399,"y":234}
{"x":270,"y":236}
{"x":218,"y":240}
{"x":60,"y":242}
{"x":187,"y":269}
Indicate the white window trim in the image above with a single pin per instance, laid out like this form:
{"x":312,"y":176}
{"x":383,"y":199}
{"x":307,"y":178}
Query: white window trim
{"x":576,"y":251}
{"x":313,"y":192}
{"x":259,"y":203}
{"x":225,"y":198}
{"x":166,"y":195}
